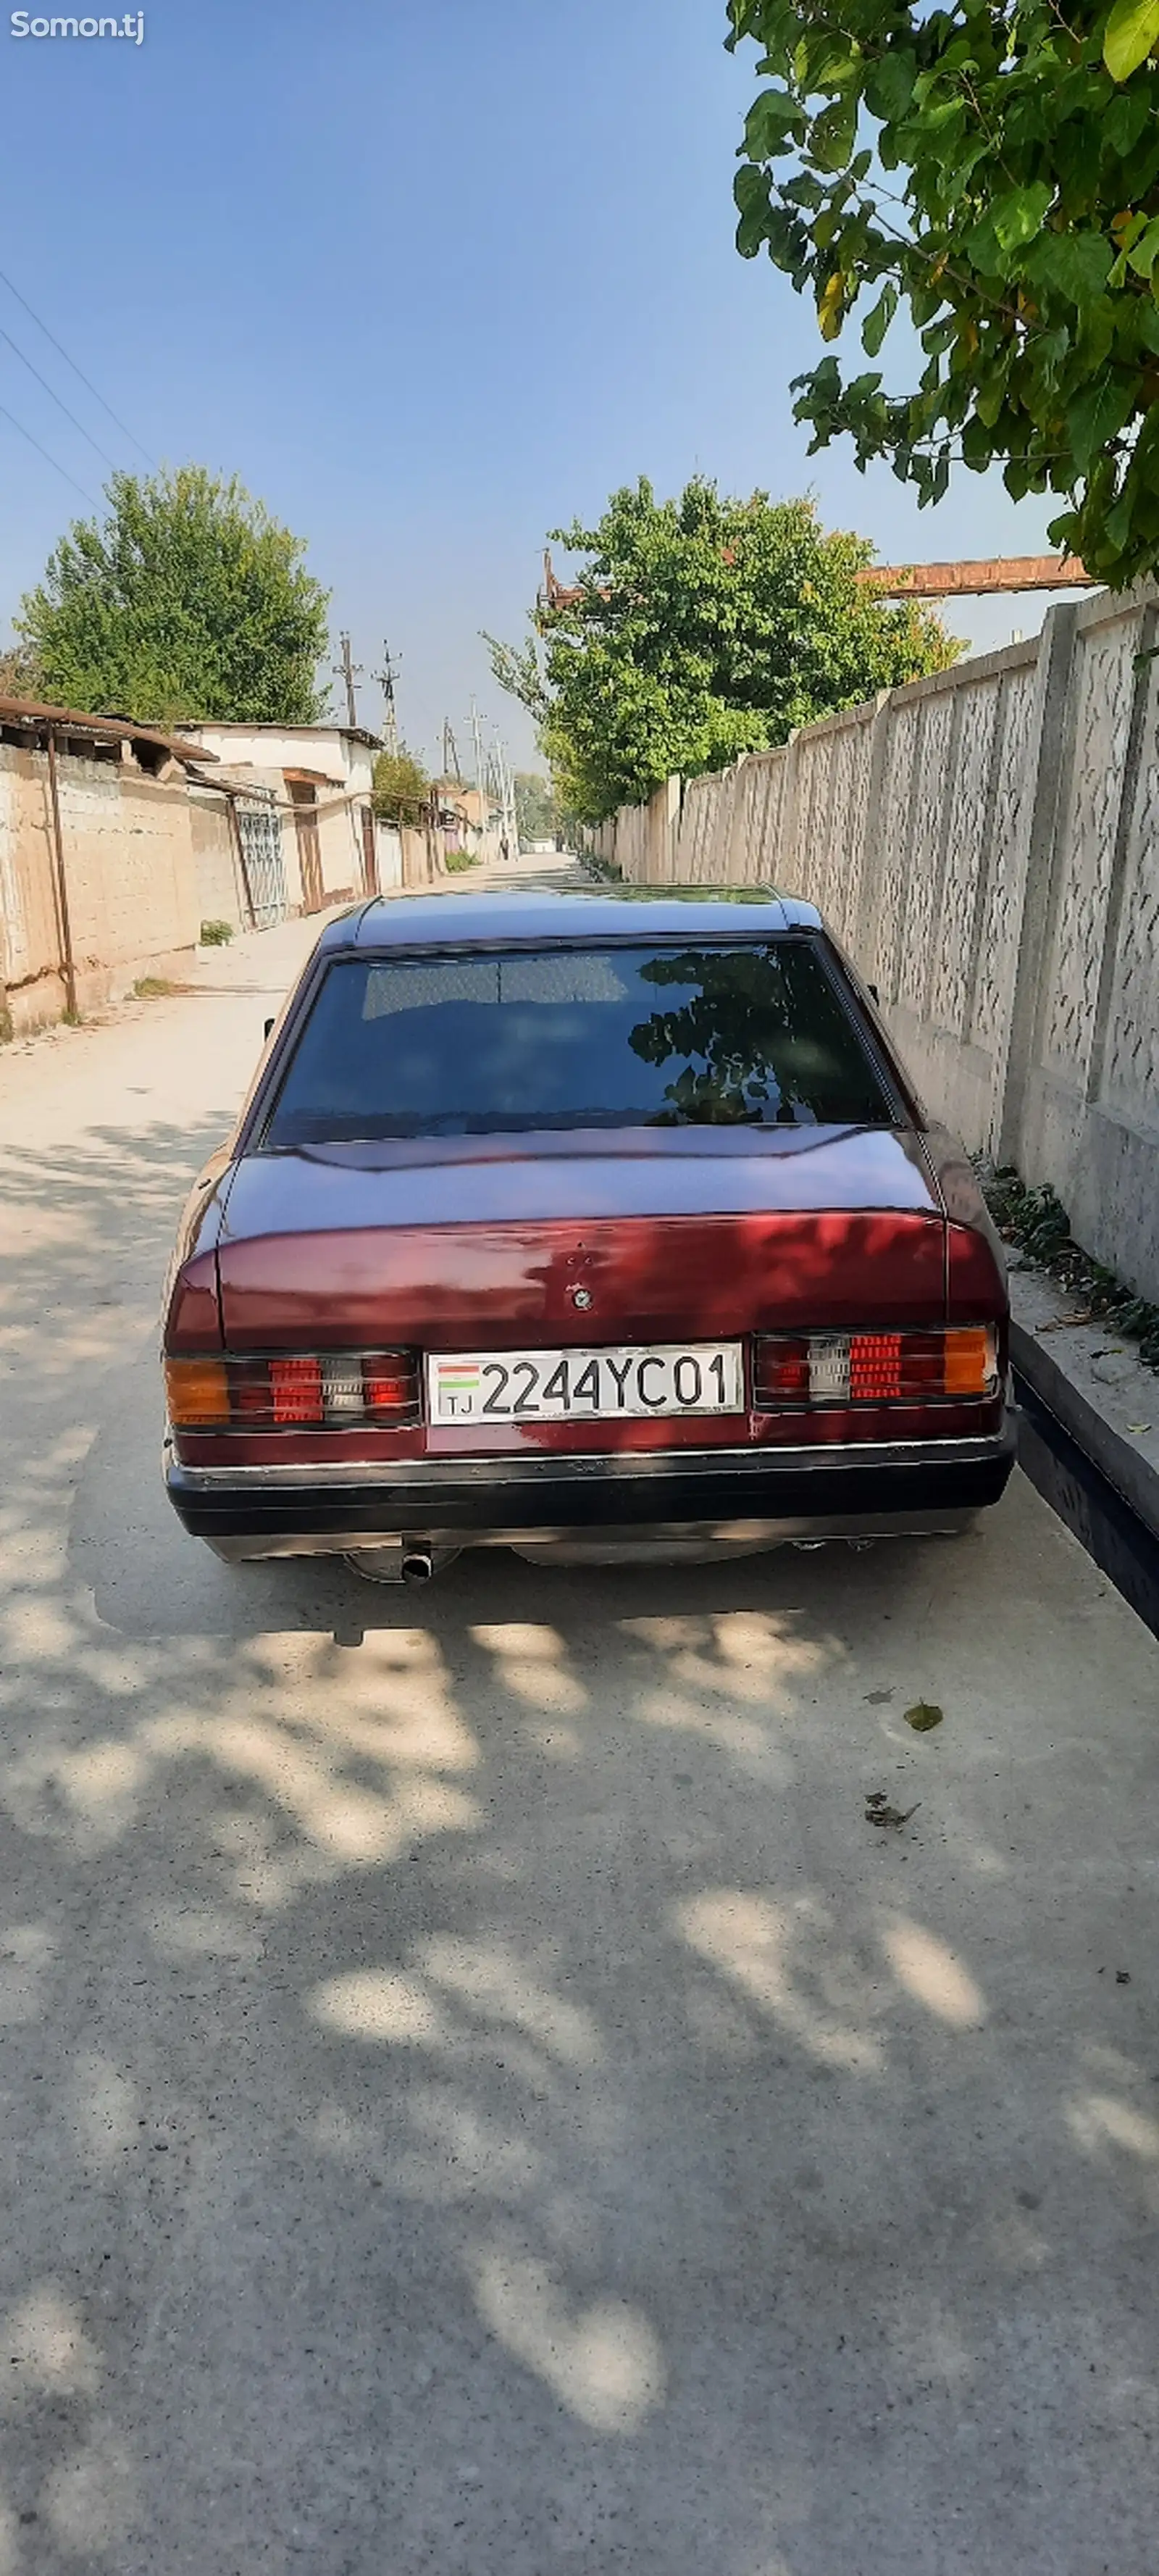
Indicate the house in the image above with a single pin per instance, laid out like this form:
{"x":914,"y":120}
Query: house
{"x":306,"y":827}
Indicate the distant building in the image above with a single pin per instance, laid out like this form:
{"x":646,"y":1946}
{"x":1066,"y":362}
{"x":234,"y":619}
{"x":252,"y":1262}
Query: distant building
{"x":308,"y":832}
{"x":468,"y":819}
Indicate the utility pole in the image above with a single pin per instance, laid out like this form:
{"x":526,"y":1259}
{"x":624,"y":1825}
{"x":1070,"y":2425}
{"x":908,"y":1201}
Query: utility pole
{"x":481,"y":772}
{"x":512,"y":806}
{"x":507,"y":796}
{"x":451,"y":764}
{"x":385,"y":679}
{"x":349,"y":671}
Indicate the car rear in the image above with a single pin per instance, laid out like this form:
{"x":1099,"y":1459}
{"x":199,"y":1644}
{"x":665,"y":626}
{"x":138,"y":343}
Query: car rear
{"x":626,"y":1229}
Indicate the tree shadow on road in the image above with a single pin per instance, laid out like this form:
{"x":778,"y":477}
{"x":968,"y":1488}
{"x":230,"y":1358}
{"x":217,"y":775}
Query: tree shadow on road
{"x":482,"y":2094}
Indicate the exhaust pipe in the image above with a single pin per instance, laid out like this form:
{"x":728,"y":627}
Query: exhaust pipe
{"x":396,"y":1561}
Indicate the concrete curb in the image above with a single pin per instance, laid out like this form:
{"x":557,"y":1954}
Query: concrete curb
{"x":1114,"y":1425}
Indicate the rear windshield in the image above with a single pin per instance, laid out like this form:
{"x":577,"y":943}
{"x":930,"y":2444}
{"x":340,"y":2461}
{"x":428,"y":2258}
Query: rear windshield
{"x":751,"y":1034}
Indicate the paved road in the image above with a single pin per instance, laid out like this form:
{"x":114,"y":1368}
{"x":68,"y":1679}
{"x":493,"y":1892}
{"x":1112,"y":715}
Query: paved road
{"x":478,"y":2098}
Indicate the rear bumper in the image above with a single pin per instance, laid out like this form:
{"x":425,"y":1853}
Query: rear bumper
{"x":926,"y":1484}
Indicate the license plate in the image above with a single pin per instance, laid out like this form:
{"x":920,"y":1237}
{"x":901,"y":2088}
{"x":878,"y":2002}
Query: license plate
{"x":585,"y":1386}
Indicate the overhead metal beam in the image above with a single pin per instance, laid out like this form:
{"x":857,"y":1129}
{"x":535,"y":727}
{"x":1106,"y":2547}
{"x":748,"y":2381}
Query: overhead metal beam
{"x":1002,"y":574}
{"x":996,"y":573}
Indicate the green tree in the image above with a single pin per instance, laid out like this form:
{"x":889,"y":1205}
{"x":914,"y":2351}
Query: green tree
{"x":189,"y":601}
{"x":537,"y":807}
{"x":989,"y":168}
{"x":703,"y":627}
{"x":19,"y":677}
{"x":401,"y":787}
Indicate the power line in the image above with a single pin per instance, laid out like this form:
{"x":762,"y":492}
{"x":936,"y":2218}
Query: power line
{"x":77,"y":371}
{"x":49,"y":460}
{"x":61,"y":406}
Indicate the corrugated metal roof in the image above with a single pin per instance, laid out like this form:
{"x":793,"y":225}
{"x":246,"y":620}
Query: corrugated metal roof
{"x":27,"y":711}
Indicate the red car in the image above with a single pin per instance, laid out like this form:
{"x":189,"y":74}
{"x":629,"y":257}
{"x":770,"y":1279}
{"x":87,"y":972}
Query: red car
{"x":603,"y":1225}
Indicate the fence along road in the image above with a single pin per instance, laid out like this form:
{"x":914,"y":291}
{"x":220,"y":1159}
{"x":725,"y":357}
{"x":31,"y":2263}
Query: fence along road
{"x":986,"y":844}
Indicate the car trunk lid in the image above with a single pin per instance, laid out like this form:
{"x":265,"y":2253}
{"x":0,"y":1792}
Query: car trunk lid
{"x":489,"y":1242}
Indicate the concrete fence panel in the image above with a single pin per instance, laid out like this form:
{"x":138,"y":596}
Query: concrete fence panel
{"x":985,"y":843}
{"x":129,"y":871}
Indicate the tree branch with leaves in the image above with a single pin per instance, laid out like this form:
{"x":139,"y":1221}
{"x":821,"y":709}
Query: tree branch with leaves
{"x":1021,"y":238}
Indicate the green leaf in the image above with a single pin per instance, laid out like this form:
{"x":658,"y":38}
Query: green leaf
{"x":1077,"y":263}
{"x":1117,"y":524}
{"x":977,"y":443}
{"x":1132,"y":30}
{"x":1097,"y":415}
{"x":1094,"y":338}
{"x":743,"y":15}
{"x":1125,"y":120}
{"x":890,"y":88}
{"x":772,"y":124}
{"x":1018,"y":216}
{"x":1144,"y":252}
{"x":1049,"y":352}
{"x":751,"y":185}
{"x":924,"y":1716}
{"x":805,"y":191}
{"x":981,"y":247}
{"x":751,"y":191}
{"x":833,"y":135}
{"x":876,"y":324}
{"x":829,"y":62}
{"x":989,"y":400}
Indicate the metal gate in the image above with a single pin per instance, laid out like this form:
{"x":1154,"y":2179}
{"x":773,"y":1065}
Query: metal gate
{"x":260,"y":828}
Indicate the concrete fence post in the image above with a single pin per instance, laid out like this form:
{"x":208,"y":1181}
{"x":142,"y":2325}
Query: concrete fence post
{"x":941,"y":859}
{"x":1045,"y":759}
{"x":662,"y":823}
{"x":790,"y":814}
{"x":734,"y":868}
{"x":1112,"y":931}
{"x":869,"y":884}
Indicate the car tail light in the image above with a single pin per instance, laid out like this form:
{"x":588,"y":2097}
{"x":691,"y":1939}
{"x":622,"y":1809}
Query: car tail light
{"x":198,"y":1391}
{"x":306,"y":1392}
{"x":387,"y":1384}
{"x":296,"y":1390}
{"x":794,"y":1371}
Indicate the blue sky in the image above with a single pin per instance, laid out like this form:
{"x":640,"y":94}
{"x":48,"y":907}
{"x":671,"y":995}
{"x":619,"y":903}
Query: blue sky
{"x":431,"y":280}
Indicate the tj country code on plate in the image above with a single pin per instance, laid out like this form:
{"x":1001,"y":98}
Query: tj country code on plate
{"x":593,"y":1386}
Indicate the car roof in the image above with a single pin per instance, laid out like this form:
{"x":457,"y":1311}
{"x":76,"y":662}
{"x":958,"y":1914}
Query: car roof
{"x":433,"y":919}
